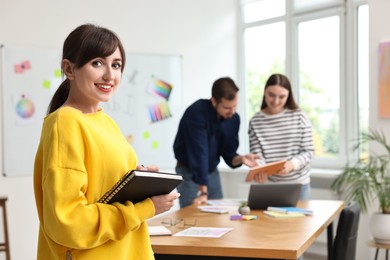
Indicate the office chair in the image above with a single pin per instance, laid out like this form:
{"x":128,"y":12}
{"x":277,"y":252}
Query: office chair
{"x":344,"y":246}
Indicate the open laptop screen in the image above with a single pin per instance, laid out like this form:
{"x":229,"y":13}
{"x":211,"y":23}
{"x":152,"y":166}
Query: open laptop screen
{"x":262,"y":195}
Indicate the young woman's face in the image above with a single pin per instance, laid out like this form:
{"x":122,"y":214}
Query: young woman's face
{"x":275,"y":98}
{"x":96,"y":81}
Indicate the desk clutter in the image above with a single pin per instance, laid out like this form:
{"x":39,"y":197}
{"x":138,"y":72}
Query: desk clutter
{"x":217,"y":235}
{"x":232,"y":208}
{"x":214,"y":209}
{"x":287,"y":212}
{"x":243,"y":217}
{"x":229,"y":207}
{"x":235,"y":206}
{"x":290,"y":210}
{"x":275,"y":214}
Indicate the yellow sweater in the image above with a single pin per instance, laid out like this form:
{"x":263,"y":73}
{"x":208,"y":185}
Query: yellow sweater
{"x":81,"y":156}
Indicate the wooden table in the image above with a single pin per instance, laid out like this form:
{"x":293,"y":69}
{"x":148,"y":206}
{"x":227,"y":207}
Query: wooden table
{"x":265,"y":237}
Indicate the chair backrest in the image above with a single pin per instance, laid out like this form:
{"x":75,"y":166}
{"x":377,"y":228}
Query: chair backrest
{"x":344,"y":246}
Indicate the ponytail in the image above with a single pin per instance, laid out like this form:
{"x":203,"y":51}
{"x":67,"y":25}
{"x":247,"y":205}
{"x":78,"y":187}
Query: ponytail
{"x":59,"y":97}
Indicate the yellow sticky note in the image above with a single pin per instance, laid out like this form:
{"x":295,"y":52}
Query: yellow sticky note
{"x":57,"y":73}
{"x":154,"y":144}
{"x":46,"y":84}
{"x":146,"y":135}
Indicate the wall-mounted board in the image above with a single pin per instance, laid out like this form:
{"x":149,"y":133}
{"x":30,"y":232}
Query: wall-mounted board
{"x":146,"y":105}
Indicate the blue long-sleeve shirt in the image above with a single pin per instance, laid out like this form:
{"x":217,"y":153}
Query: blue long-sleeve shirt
{"x":203,"y":137}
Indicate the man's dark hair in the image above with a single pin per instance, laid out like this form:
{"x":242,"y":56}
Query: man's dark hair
{"x":224,"y":88}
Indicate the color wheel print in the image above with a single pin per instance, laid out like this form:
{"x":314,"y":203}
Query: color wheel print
{"x":25,"y":108}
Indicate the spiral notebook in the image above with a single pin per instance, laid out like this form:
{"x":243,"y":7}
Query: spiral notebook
{"x":137,"y":185}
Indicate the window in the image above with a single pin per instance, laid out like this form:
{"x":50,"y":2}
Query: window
{"x":319,"y":81}
{"x":363,"y":81}
{"x":322,"y":46}
{"x":258,"y":58}
{"x":262,"y":10}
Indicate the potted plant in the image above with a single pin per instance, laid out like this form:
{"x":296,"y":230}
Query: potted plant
{"x":368,"y":180}
{"x":244,"y":209}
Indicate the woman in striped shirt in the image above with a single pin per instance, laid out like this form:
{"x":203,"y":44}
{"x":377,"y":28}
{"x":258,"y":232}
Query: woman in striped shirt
{"x":282,"y":131}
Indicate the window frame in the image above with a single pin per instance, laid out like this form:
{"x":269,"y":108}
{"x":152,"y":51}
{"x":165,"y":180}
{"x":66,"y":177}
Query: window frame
{"x":349,"y":106}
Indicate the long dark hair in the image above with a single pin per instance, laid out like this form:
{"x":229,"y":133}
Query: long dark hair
{"x":83,"y":44}
{"x":283,"y":81}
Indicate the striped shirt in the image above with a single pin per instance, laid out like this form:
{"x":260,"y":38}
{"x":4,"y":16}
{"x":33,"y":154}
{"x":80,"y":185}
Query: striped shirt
{"x":284,"y":136}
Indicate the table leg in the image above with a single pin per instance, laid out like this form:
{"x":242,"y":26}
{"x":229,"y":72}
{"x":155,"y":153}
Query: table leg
{"x":387,"y":254}
{"x":376,"y":254}
{"x":330,"y":241}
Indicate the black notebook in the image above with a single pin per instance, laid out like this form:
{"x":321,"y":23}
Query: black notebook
{"x":137,"y":185}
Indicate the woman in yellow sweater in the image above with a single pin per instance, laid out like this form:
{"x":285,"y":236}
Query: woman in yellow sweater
{"x":82,"y":154}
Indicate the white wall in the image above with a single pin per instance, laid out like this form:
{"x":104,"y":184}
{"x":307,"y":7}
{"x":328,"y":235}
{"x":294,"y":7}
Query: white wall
{"x":202,"y":31}
{"x":379,"y":32}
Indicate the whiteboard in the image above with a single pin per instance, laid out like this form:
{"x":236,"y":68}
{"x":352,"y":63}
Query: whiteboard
{"x":145,"y":106}
{"x":29,"y":77}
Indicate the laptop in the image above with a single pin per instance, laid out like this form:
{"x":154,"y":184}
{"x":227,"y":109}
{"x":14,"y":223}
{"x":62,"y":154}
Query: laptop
{"x":262,"y":195}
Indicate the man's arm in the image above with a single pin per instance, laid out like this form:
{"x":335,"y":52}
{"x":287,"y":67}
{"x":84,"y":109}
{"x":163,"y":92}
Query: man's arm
{"x":247,"y":159}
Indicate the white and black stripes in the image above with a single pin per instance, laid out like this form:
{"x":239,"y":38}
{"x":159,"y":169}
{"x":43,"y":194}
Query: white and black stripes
{"x":287,"y":135}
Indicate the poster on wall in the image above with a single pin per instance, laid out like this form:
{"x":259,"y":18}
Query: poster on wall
{"x":384,"y":80}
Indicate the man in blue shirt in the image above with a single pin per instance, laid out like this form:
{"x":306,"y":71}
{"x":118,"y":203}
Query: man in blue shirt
{"x":207,"y":131}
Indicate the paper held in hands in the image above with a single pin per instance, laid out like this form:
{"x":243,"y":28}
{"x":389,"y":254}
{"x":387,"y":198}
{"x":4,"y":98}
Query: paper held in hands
{"x":269,"y":169}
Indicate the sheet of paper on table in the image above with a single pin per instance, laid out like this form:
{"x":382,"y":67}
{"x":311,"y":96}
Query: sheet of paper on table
{"x":203,"y":232}
{"x":159,"y":231}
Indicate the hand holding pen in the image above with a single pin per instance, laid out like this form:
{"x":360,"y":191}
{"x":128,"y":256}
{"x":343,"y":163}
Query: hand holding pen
{"x":152,"y":168}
